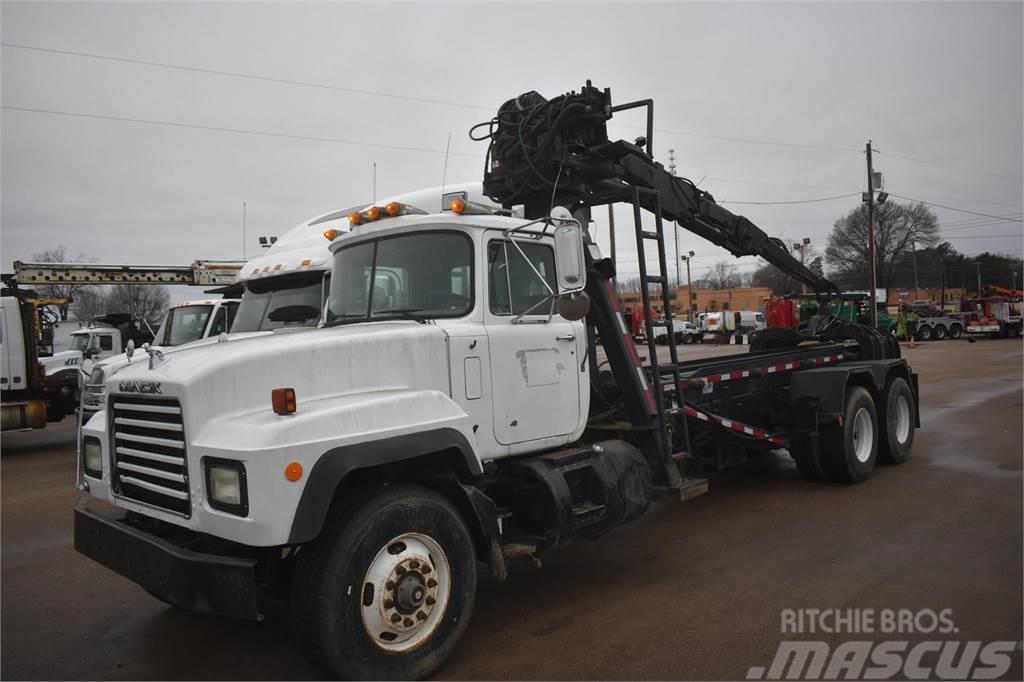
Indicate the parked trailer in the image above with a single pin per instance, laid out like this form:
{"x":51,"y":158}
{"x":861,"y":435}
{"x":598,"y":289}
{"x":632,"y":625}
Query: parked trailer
{"x":450,"y":409}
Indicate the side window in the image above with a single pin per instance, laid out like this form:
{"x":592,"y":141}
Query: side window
{"x":231,"y":309}
{"x":106,"y":342}
{"x":220,"y":323}
{"x":513,"y":286}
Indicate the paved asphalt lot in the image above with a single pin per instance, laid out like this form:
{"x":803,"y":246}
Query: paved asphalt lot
{"x":691,"y":591}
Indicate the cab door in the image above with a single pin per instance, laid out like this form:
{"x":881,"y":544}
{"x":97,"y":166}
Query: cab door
{"x":536,"y":356}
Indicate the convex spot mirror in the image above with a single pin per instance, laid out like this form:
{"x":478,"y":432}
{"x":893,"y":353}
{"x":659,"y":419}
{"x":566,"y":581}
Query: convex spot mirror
{"x":574,"y":306}
{"x":569,"y":262}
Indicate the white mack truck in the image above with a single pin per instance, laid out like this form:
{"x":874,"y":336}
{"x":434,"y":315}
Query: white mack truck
{"x":449,"y":409}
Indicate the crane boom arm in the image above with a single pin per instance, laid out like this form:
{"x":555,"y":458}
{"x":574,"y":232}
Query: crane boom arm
{"x":199,"y":273}
{"x":557,"y":151}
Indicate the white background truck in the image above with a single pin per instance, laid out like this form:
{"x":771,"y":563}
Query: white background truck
{"x":449,"y":410}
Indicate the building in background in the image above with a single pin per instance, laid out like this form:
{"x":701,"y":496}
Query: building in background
{"x":705,"y":300}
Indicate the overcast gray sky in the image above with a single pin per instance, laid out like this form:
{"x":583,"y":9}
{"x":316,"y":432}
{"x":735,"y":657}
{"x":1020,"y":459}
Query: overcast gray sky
{"x":940,"y":83}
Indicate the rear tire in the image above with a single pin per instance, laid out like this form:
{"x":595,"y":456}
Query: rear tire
{"x":924,"y":333}
{"x":940,"y":332}
{"x":849,"y":450}
{"x":405,"y":554}
{"x":955,"y":331}
{"x":897,"y":422}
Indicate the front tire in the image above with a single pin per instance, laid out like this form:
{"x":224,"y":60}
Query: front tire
{"x":849,"y":450}
{"x":924,"y":333}
{"x":387,"y":592}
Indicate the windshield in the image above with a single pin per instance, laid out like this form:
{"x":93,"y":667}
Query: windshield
{"x":292,"y":300}
{"x":185,"y":324}
{"x":423,"y":275}
{"x":80,"y":342}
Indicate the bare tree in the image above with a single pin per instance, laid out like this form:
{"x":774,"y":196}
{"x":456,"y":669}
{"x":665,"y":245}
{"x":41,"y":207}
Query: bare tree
{"x":89,"y":302}
{"x":59,"y":255}
{"x":142,"y":301}
{"x":896,"y":227}
{"x":722,"y":275}
{"x":782,"y":283}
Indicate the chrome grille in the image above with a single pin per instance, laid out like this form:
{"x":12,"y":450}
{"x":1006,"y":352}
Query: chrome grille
{"x":148,"y":445}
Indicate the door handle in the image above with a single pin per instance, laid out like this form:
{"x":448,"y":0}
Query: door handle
{"x":566,"y":337}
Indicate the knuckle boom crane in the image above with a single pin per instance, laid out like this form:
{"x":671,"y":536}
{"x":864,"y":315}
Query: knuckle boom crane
{"x":545,"y":153}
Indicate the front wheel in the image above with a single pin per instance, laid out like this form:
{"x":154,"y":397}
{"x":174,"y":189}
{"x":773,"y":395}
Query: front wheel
{"x":924,"y":333}
{"x":387,"y":592}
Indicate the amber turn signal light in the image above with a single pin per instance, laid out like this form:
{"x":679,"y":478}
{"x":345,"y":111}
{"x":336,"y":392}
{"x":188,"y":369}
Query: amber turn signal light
{"x":283,"y":400}
{"x":293,"y":471}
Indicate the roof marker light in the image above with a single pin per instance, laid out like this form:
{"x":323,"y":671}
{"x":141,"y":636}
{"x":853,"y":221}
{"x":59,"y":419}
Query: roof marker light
{"x":458,"y":205}
{"x":355,"y":218}
{"x":306,"y":261}
{"x":372,"y":213}
{"x":329,"y":235}
{"x":283,"y":400}
{"x":393,"y":209}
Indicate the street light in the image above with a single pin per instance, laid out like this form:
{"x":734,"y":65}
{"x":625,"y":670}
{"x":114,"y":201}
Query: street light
{"x":801,"y":247}
{"x":689,"y":287}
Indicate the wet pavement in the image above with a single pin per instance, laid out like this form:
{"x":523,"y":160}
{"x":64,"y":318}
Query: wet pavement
{"x":691,"y":591}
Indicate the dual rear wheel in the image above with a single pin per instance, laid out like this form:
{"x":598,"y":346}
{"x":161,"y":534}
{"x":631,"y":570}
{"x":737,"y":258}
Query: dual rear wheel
{"x":867,"y":433}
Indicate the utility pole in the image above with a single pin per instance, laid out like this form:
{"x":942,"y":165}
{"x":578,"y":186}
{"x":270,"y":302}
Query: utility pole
{"x":913,"y":250}
{"x":978,"y":263}
{"x":870,"y":198}
{"x":675,"y":226}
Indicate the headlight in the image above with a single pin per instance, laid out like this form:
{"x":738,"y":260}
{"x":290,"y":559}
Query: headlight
{"x":92,"y":457}
{"x":225,"y":486}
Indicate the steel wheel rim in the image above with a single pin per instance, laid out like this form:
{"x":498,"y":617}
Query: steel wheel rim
{"x":902,"y":419}
{"x":405,"y":592}
{"x":863,"y":435}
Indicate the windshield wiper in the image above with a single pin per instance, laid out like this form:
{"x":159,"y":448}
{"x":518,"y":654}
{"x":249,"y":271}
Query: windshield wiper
{"x":344,"y":319}
{"x":404,"y":313}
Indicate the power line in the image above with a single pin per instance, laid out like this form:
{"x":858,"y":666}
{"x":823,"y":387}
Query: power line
{"x":957,"y":168}
{"x":746,"y":140}
{"x":247,"y":76}
{"x":802,"y":201}
{"x":219,"y":129}
{"x":960,"y":210}
{"x":377,"y":93}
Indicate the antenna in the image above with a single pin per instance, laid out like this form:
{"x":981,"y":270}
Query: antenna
{"x":444,"y":169}
{"x":243,"y":230}
{"x":373,"y":184}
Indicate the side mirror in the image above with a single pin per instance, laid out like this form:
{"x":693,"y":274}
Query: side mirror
{"x":569,"y":262}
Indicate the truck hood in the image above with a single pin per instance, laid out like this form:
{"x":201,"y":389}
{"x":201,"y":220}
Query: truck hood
{"x":237,"y":376}
{"x":115,"y":364}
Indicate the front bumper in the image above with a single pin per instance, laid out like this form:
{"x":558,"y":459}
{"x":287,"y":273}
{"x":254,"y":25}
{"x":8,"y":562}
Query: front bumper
{"x":210,"y":583}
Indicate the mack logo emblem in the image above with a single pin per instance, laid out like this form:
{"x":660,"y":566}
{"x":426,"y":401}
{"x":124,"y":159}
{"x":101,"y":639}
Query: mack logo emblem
{"x":140,"y":387}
